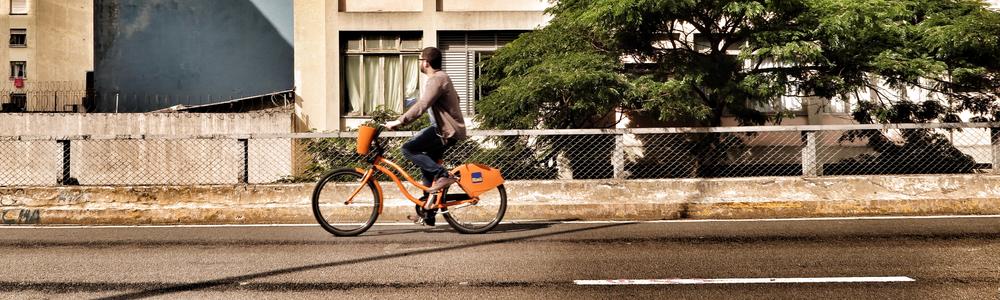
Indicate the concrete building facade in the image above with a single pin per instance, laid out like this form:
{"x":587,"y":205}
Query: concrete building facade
{"x":353,"y":56}
{"x":49,"y":53}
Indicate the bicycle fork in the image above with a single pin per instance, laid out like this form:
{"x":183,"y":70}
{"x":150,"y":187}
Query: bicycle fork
{"x":369,"y":176}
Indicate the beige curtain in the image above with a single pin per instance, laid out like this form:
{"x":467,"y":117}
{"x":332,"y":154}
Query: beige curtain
{"x":381,"y":81}
{"x":374,"y":83}
{"x":411,"y":76}
{"x":393,"y":84}
{"x":353,"y":82}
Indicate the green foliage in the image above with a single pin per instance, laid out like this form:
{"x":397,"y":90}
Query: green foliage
{"x":922,"y":151}
{"x":328,"y":154}
{"x":510,"y":154}
{"x":942,"y":47}
{"x":551,"y":79}
{"x":569,"y":74}
{"x":382,"y":115}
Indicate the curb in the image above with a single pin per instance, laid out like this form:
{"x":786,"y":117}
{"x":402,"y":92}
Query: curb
{"x":633,"y":200}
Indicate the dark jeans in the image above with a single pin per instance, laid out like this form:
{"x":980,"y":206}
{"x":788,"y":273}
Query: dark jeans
{"x":425,"y":150}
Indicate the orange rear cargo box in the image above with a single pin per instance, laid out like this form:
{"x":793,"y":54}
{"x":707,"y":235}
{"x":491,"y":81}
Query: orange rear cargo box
{"x":477,"y":179}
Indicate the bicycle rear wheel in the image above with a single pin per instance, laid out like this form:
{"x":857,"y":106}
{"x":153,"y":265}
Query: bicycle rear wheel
{"x":338,"y":217}
{"x":480,"y":217}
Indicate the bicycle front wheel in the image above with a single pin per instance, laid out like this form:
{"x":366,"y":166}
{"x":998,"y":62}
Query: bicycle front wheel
{"x":481,"y":216}
{"x":330,"y":207}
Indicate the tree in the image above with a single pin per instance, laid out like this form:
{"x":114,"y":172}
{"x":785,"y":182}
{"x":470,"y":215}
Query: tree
{"x":555,"y":74}
{"x":944,"y":49}
{"x":570,"y":73}
{"x":695,"y":60}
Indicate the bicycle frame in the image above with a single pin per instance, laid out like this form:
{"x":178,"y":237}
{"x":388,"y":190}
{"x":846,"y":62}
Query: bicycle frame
{"x":380,"y":165}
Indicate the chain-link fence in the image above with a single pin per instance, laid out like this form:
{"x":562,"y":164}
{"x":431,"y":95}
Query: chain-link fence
{"x":623,"y":154}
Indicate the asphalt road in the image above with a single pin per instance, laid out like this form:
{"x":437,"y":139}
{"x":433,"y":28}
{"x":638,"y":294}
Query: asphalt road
{"x":947,"y":258}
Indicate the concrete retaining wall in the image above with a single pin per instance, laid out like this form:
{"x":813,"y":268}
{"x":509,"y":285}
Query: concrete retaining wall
{"x":550,"y":200}
{"x":129,"y":162}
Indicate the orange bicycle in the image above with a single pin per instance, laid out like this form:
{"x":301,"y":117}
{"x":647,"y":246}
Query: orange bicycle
{"x":348,"y":201}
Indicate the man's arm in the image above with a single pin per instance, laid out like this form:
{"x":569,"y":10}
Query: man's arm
{"x":427,"y":99}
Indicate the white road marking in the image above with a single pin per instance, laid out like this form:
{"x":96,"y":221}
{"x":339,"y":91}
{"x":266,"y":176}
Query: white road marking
{"x":518,"y":222}
{"x":745,"y":280}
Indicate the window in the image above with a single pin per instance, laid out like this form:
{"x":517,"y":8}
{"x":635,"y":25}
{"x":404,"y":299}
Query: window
{"x":380,"y":69}
{"x":464,"y":51}
{"x":839,"y":105}
{"x":17,"y":103}
{"x":782,"y":104}
{"x":18,"y":38}
{"x":702,"y":43}
{"x":18,"y":69}
{"x":481,"y":57}
{"x":789,"y":103}
{"x":19,"y":7}
{"x":663,"y":41}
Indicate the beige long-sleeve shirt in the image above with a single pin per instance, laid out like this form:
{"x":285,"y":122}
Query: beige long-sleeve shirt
{"x":440,"y":96}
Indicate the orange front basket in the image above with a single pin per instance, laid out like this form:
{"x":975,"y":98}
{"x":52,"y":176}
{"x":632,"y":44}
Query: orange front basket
{"x":365,"y":136}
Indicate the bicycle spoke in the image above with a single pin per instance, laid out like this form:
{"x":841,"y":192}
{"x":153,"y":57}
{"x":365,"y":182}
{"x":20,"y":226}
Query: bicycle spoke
{"x":335,"y":213}
{"x":481,"y":216}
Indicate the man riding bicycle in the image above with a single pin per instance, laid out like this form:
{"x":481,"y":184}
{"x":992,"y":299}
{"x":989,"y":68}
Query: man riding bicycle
{"x":440,"y":100}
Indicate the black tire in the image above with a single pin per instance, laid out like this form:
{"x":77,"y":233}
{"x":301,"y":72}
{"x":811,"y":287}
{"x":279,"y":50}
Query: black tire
{"x":481,"y":217}
{"x":330,"y":210}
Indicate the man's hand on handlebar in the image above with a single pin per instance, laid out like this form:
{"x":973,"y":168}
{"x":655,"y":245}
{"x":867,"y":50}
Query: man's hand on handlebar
{"x":391,"y":125}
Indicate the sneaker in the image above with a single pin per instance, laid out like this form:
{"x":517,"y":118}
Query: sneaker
{"x":428,"y":221}
{"x":442,"y":183}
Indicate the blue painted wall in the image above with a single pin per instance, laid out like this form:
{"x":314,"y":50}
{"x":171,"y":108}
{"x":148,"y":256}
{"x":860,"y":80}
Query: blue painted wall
{"x":159,"y":53}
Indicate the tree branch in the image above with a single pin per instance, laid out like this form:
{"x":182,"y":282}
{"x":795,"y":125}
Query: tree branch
{"x":878,"y":94}
{"x":798,"y":68}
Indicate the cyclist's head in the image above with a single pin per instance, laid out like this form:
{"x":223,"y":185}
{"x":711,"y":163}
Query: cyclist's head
{"x":432,"y":56}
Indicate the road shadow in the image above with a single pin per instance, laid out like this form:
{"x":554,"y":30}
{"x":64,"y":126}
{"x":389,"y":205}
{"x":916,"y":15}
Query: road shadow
{"x":422,"y":229}
{"x":235,"y":280}
{"x":443,"y":227}
{"x":520,"y":227}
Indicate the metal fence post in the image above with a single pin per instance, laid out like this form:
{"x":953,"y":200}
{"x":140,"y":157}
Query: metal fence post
{"x":810,"y":160}
{"x":565,"y":170}
{"x":618,"y":156}
{"x":995,"y":142}
{"x":65,"y":176}
{"x":244,"y":145}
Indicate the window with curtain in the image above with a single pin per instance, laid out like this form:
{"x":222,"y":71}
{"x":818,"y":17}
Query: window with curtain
{"x":18,"y":38}
{"x":380,"y":70}
{"x":18,"y":7}
{"x":18,"y":69}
